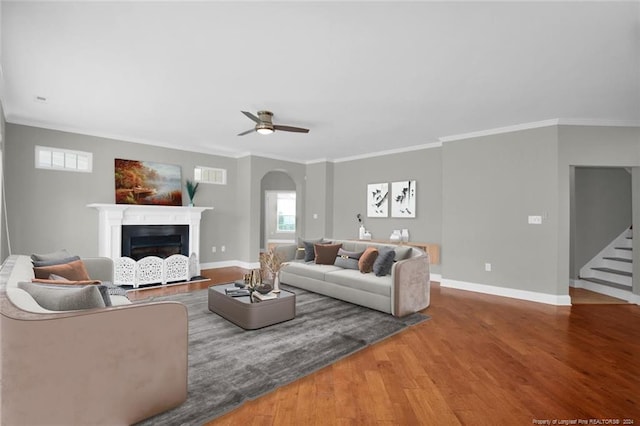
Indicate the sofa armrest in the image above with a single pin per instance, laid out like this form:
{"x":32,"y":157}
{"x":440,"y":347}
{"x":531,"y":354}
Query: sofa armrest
{"x":99,"y":268}
{"x":287,"y":251}
{"x":106,"y":366}
{"x":411,"y":285}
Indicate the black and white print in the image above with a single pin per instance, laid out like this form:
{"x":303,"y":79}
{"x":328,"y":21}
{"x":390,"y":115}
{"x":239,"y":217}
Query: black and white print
{"x":378,"y":200}
{"x":403,"y":198}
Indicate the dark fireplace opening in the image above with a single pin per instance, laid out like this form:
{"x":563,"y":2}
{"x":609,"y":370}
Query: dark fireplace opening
{"x":139,"y":241}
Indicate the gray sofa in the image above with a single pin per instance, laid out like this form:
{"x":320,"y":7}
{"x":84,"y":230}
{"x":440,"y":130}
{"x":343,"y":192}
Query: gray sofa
{"x":404,"y":291}
{"x":103,"y":366}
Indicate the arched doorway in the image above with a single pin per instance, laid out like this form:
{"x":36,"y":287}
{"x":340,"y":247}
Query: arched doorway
{"x":278,"y":216}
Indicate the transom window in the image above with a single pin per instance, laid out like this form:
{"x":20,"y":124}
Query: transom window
{"x":63,"y":159}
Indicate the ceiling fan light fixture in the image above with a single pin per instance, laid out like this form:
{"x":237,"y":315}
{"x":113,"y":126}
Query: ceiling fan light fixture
{"x":264,"y":129}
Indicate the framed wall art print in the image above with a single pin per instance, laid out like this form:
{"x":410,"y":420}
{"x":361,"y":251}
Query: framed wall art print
{"x":378,"y":200}
{"x":403,"y":199}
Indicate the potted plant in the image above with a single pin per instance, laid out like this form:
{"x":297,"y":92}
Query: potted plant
{"x":191,"y":190}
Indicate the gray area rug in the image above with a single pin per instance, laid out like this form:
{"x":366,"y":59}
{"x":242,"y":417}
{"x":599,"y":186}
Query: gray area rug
{"x":228,"y":365}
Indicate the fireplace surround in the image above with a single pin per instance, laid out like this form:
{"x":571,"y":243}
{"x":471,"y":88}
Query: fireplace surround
{"x":112,"y":217}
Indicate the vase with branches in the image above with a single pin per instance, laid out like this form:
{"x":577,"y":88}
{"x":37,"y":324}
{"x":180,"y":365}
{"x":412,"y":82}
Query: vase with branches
{"x":192,"y":187}
{"x":271,"y":263}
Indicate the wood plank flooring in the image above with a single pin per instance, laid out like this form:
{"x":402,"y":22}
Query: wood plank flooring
{"x":480,"y":360}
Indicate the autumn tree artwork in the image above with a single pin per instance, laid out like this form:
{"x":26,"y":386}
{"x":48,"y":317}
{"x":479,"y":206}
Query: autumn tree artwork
{"x":145,"y":182}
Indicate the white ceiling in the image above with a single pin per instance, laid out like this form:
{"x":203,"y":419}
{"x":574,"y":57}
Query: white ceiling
{"x":364,"y":77}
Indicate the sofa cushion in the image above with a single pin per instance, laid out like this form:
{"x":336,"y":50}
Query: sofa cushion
{"x":326,"y":253}
{"x":384,"y":261}
{"x":348,"y":259}
{"x":74,"y":271}
{"x":64,"y":298}
{"x":56,"y":255}
{"x":364,"y":282}
{"x":310,"y":270}
{"x":365,"y":264}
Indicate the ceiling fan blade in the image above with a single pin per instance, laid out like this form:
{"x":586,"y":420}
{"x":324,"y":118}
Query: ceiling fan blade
{"x":290,"y":128}
{"x":247,"y":132}
{"x":251,"y":116}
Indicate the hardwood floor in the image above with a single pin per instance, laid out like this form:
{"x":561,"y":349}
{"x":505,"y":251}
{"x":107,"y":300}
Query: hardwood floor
{"x":581,"y":296}
{"x":480,"y":360}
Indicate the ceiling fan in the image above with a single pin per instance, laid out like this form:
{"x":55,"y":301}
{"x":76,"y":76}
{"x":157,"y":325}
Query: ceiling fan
{"x":265,"y":126}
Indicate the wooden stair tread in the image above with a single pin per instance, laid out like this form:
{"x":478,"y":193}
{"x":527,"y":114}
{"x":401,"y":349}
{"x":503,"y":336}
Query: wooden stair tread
{"x":619,"y":259}
{"x":613,"y":271}
{"x":607,"y":283}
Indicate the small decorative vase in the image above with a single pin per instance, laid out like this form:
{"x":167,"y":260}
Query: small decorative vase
{"x":276,"y":283}
{"x":395,"y":236}
{"x":405,"y":235}
{"x":361,"y":232}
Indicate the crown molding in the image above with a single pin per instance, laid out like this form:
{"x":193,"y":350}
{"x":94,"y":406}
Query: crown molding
{"x":390,"y":152}
{"x":540,"y":124}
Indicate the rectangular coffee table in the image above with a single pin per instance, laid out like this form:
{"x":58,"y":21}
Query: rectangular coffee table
{"x":240,"y":310}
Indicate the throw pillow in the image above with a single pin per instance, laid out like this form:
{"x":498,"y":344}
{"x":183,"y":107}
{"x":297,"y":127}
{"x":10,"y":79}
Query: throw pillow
{"x":326,"y":253}
{"x":348,"y":259}
{"x":55,"y":261}
{"x":365,"y":264}
{"x":301,"y":252}
{"x":74,"y":271}
{"x":64,"y":298}
{"x":402,"y":252}
{"x":309,"y":249}
{"x":60,"y":254}
{"x":384,"y":262}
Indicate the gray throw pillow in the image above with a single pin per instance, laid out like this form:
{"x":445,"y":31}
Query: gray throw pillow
{"x":60,"y":254}
{"x":348,"y":259}
{"x":52,"y":262}
{"x":64,"y":298}
{"x":384,"y":262}
{"x":402,"y":252}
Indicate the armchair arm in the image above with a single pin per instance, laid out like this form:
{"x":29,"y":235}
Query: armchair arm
{"x":99,"y":268}
{"x":411,"y":285}
{"x":107,"y":366}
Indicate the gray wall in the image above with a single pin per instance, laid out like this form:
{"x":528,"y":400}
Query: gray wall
{"x":319,"y":200}
{"x":350,"y":186}
{"x":491,"y":185}
{"x":602,"y":210}
{"x":47,"y":209}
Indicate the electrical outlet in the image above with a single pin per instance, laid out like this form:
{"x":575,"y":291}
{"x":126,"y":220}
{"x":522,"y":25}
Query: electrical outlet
{"x":213,"y":249}
{"x":487,"y":267}
{"x":223,"y":248}
{"x":535,"y":220}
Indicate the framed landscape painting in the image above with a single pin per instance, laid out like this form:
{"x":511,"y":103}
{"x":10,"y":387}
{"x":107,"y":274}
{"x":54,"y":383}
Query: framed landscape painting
{"x":146,"y":182}
{"x":378,"y":200}
{"x":403,"y":201}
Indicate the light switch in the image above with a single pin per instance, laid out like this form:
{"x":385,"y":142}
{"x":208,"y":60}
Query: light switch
{"x":535,"y":220}
{"x":315,"y":215}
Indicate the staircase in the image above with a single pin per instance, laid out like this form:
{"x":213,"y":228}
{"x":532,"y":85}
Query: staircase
{"x":610,"y":272}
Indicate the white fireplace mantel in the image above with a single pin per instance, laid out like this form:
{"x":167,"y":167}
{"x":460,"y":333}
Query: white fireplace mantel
{"x":113,"y":216}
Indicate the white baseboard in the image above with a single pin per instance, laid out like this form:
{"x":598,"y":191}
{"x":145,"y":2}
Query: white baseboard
{"x":230,"y":263}
{"x":531,"y":296}
{"x":435,"y":277}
